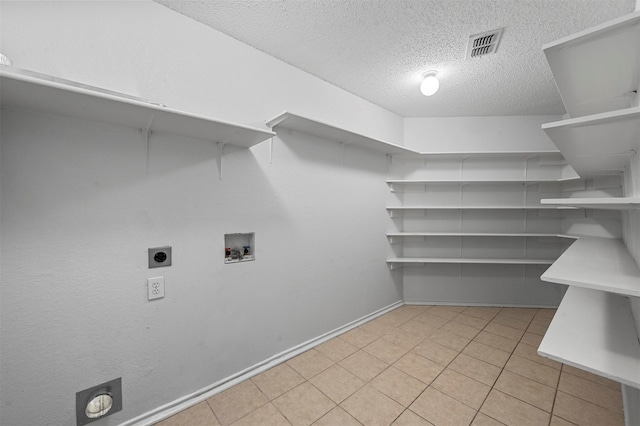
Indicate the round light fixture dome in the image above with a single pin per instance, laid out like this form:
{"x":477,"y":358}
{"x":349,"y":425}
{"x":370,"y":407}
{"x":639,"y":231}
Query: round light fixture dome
{"x":430,"y":84}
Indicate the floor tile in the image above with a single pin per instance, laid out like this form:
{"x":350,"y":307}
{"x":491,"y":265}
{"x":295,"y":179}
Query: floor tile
{"x":435,"y":352}
{"x":198,"y":415}
{"x":310,"y":363}
{"x":496,"y":341}
{"x":486,"y":353}
{"x":486,"y":313}
{"x":336,"y":349}
{"x":431,"y":320}
{"x":337,"y":383}
{"x":419,"y":328}
{"x":484,"y":420}
{"x":475,"y":369}
{"x":419,"y":367}
{"x":511,"y":322}
{"x":371,"y":407}
{"x":378,"y":327}
{"x":531,"y":339}
{"x":504,"y":331}
{"x":449,"y":340}
{"x":448,"y":312}
{"x":358,"y":337}
{"x":557,"y":421}
{"x":364,"y":365}
{"x":593,"y":392}
{"x":277,"y":380}
{"x":398,"y":386}
{"x":385,"y":351}
{"x":526,"y":390}
{"x":471,"y":321}
{"x":589,"y":376}
{"x":442,"y":410}
{"x":303,"y":405}
{"x":523,"y":314}
{"x":462,"y":388}
{"x":409,"y":418}
{"x":531,"y":353}
{"x":512,"y":411}
{"x":236,"y":402}
{"x":265,"y":415}
{"x":584,"y":413}
{"x":460,"y":329}
{"x":541,"y":321}
{"x":533,"y":370}
{"x":337,"y":417}
{"x":546,"y":313}
{"x":537,"y":329}
{"x":405,"y":339}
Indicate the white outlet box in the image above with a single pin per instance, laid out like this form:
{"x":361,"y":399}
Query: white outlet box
{"x":155,"y":288}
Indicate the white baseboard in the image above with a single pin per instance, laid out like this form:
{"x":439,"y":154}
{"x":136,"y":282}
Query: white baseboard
{"x":203,"y":394}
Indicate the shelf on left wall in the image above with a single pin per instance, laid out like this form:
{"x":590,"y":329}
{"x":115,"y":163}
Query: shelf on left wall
{"x":24,"y":90}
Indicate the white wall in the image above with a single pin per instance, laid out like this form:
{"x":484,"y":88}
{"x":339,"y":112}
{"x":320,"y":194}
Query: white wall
{"x":80,"y":209}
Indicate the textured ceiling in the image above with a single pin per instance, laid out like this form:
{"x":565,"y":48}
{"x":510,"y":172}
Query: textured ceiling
{"x":378,"y":50}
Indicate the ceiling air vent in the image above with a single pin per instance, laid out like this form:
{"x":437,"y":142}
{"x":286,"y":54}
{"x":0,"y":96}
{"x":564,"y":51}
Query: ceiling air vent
{"x":483,"y":44}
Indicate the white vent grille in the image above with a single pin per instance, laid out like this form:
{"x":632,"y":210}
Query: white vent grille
{"x":483,"y":44}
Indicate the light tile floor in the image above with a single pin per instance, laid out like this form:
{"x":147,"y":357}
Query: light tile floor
{"x":421,"y":365}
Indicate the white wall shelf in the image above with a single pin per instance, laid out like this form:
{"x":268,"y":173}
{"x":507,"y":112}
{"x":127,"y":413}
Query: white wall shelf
{"x":26,"y":91}
{"x":597,"y":263}
{"x":611,"y":53}
{"x":288,"y":120}
{"x":482,"y":154}
{"x":594,"y":331}
{"x":475,"y":234}
{"x":399,"y":261}
{"x":611,"y":203}
{"x":539,"y":207}
{"x":600,"y":143}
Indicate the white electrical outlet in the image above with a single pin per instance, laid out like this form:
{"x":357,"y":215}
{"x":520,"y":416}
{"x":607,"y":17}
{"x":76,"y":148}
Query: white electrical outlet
{"x":155,"y":288}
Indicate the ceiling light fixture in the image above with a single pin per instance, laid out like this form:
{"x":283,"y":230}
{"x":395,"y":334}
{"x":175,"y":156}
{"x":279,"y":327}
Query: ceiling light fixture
{"x":430,"y":84}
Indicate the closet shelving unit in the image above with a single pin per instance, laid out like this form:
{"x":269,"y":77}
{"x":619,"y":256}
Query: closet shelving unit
{"x":594,"y":327}
{"x":26,"y":90}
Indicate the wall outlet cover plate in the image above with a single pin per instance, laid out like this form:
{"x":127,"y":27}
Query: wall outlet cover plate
{"x":159,"y":256}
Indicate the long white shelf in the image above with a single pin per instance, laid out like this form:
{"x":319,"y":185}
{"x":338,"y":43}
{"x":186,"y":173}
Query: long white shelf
{"x":599,"y":143}
{"x":594,"y":331}
{"x":597,"y":263}
{"x":24,"y":90}
{"x":540,"y":207}
{"x":474,"y":181}
{"x":474,"y":260}
{"x":476,"y":234}
{"x":611,"y":54}
{"x":611,"y":203}
{"x":288,"y":120}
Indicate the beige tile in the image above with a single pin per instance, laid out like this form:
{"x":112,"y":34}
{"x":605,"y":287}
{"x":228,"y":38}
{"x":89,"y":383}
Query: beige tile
{"x":378,"y":326}
{"x":449,"y":340}
{"x":397,"y":317}
{"x":435,"y":352}
{"x":265,"y":415}
{"x":198,"y":415}
{"x":364,"y":365}
{"x":236,"y":402}
{"x":512,"y":411}
{"x":385,"y":351}
{"x":546,"y":313}
{"x":431,"y":320}
{"x":419,"y":367}
{"x":580,"y":412}
{"x":409,"y":418}
{"x":557,"y":421}
{"x":484,"y":420}
{"x":487,"y":354}
{"x":462,"y":388}
{"x":310,"y":363}
{"x":511,"y":322}
{"x":504,"y":331}
{"x":589,"y":376}
{"x":371,"y":407}
{"x":303,"y":405}
{"x":475,"y":369}
{"x":537,"y":329}
{"x":593,"y":392}
{"x":403,"y":338}
{"x":398,"y":386}
{"x":336,"y":349}
{"x":448,"y":312}
{"x":358,"y":337}
{"x":526,"y":390}
{"x":441,"y":409}
{"x":471,"y":321}
{"x":277,"y":380}
{"x":542,"y":321}
{"x":533,"y":370}
{"x":337,"y":383}
{"x":486,"y":313}
{"x":337,"y":417}
{"x":419,"y":328}
{"x":523,"y":314}
{"x":531,"y":339}
{"x":460,"y":329}
{"x":531,"y":353}
{"x":496,"y":341}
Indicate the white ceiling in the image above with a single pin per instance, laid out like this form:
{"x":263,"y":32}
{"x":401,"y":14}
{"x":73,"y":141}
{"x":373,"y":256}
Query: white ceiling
{"x":378,"y":50}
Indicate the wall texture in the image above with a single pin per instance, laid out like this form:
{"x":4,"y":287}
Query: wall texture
{"x":82,"y":201}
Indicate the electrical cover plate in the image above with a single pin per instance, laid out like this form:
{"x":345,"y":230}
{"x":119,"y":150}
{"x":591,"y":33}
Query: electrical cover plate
{"x":159,"y":256}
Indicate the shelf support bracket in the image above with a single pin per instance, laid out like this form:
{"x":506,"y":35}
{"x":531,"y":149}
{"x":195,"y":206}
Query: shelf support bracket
{"x":220,"y":155}
{"x":145,"y":134}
